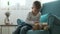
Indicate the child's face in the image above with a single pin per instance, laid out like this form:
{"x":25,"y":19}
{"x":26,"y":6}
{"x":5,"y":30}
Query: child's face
{"x":34,"y":9}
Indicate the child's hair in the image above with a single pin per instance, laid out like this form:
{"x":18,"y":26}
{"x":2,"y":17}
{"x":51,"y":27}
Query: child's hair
{"x":37,"y":4}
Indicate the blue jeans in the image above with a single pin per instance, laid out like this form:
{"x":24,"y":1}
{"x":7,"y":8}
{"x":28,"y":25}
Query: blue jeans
{"x":22,"y":29}
{"x":22,"y":25}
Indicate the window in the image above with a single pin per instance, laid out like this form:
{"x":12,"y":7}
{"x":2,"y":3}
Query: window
{"x":12,"y":3}
{"x":3,"y":3}
{"x":19,"y":4}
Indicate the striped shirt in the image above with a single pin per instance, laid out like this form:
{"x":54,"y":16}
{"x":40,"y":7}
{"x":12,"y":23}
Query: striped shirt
{"x":31,"y":18}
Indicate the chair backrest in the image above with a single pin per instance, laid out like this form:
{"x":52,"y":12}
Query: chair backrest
{"x":51,"y":7}
{"x":54,"y":9}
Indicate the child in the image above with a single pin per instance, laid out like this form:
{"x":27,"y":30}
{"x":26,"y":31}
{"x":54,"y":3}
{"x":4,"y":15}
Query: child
{"x":35,"y":14}
{"x":33,"y":17}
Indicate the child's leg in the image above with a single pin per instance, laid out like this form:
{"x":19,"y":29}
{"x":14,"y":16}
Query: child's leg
{"x":17,"y":31}
{"x":24,"y":29}
{"x":20,"y":22}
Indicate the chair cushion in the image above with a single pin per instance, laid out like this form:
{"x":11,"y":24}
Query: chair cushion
{"x":38,"y":32}
{"x":44,"y":18}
